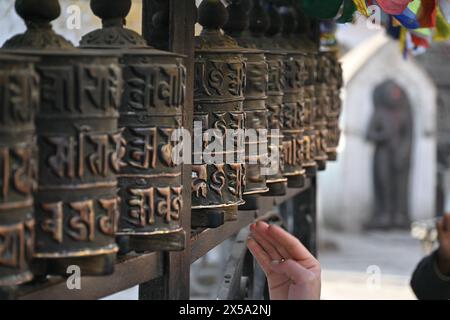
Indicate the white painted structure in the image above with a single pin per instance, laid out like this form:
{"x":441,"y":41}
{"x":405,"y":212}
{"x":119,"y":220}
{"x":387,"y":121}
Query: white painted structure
{"x":345,"y":188}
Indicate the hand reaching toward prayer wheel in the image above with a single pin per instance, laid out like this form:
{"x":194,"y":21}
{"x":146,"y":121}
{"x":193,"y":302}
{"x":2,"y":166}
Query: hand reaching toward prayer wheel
{"x":292,"y":271}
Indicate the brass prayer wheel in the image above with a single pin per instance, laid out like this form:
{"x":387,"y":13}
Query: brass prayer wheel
{"x":76,"y":203}
{"x":294,"y":69}
{"x":255,"y":98}
{"x":334,"y":109}
{"x":276,"y":183}
{"x":303,"y":43}
{"x":321,"y":106}
{"x":19,"y":98}
{"x":220,"y":69}
{"x":150,"y":112}
{"x":310,"y":144}
{"x":255,"y":37}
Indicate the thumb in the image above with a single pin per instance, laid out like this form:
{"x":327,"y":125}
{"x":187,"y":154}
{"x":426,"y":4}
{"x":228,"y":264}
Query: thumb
{"x":293,"y":270}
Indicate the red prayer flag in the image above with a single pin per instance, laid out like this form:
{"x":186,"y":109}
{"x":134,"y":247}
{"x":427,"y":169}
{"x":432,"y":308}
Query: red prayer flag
{"x":419,"y":41}
{"x":393,"y":7}
{"x":427,"y":14}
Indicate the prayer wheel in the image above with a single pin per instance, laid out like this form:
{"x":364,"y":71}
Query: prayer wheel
{"x":303,"y":43}
{"x":281,"y":29}
{"x":255,"y":36}
{"x":76,"y":205}
{"x":321,"y":106}
{"x":218,"y":175}
{"x":255,"y":101}
{"x":150,"y":114}
{"x":334,"y":109}
{"x":19,"y":98}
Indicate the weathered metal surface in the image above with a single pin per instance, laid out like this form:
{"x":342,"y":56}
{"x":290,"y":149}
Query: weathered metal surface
{"x":39,"y":34}
{"x":321,"y":106}
{"x":255,"y":102}
{"x":254,"y":37}
{"x":79,"y":155}
{"x":281,"y":29}
{"x":277,"y":182}
{"x":302,"y":42}
{"x":310,"y":104}
{"x":151,"y":109}
{"x":334,"y":109}
{"x":76,"y":203}
{"x":218,"y":104}
{"x":156,"y":24}
{"x":128,"y":272}
{"x":19,"y":98}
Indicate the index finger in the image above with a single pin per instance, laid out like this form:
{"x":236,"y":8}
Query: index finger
{"x":295,"y":248}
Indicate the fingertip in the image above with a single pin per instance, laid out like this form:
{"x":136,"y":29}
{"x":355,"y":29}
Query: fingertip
{"x":252,"y":243}
{"x":261,"y":226}
{"x":274,"y":226}
{"x":274,"y":229}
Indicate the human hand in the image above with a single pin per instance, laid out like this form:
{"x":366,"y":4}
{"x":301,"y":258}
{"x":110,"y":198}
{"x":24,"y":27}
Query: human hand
{"x":292,"y":271}
{"x":443,"y":227}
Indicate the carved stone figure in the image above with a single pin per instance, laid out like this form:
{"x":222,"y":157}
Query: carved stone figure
{"x":391,"y":132}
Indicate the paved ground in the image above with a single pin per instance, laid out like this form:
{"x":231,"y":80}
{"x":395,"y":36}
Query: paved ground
{"x":376,"y":265}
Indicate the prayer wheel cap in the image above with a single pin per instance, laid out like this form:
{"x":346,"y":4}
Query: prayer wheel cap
{"x":275,"y":21}
{"x":212,"y":14}
{"x":38,"y":10}
{"x":37,"y":15}
{"x":288,"y":17}
{"x":114,"y":35}
{"x":259,"y":19}
{"x":238,"y":17}
{"x":111,"y":9}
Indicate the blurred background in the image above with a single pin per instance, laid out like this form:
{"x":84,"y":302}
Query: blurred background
{"x":392,"y":171}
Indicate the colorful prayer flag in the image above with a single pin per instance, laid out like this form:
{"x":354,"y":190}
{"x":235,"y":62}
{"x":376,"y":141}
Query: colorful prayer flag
{"x":362,"y":7}
{"x":393,"y":6}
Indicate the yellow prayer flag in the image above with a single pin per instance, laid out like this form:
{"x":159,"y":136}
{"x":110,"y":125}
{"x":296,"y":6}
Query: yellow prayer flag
{"x":362,"y":7}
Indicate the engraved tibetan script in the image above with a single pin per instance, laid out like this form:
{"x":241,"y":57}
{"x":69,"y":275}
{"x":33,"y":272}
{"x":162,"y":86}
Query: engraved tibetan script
{"x":149,"y":203}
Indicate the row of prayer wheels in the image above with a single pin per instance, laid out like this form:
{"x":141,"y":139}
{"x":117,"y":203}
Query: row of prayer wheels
{"x":87,"y":155}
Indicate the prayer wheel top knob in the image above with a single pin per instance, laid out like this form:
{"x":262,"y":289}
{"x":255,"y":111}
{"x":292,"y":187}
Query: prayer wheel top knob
{"x":111,"y":10}
{"x":113,"y":34}
{"x":238,"y":19}
{"x":38,"y":10}
{"x":259,"y":19}
{"x":275,"y":21}
{"x":303,"y":23}
{"x":212,"y":14}
{"x":288,"y":17}
{"x":37,"y":15}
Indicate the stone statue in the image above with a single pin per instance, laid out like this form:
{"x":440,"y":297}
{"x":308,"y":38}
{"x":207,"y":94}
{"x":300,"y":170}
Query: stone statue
{"x":391,"y":132}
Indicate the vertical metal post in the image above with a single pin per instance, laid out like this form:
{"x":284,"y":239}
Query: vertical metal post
{"x":180,"y":32}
